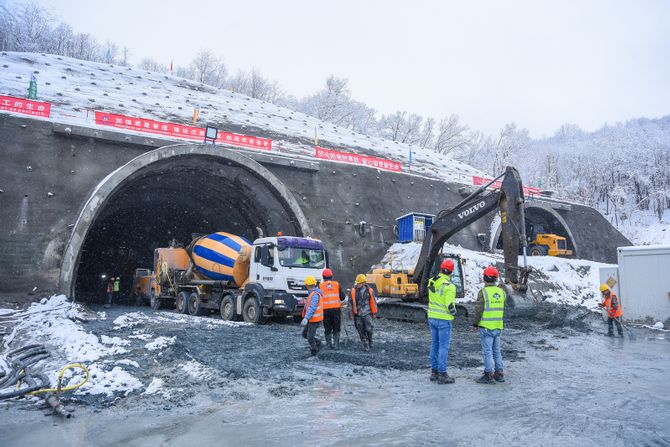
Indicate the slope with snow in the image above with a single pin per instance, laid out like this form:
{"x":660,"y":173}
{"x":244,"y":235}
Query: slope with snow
{"x":77,"y":88}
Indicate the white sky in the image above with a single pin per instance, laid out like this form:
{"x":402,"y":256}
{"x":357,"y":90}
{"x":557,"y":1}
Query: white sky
{"x":537,"y":63}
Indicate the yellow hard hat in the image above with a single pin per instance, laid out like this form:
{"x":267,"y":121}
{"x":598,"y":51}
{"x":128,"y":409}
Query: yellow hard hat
{"x":604,"y":287}
{"x":310,"y":281}
{"x":360,"y":278}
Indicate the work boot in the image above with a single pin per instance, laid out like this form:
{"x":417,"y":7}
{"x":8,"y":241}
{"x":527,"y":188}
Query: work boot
{"x":329,"y":341}
{"x":443,"y":378}
{"x":433,"y":375}
{"x":336,"y":341}
{"x":370,"y":340}
{"x":486,"y":378}
{"x":366,"y":346}
{"x":498,"y":375}
{"x":609,"y":334}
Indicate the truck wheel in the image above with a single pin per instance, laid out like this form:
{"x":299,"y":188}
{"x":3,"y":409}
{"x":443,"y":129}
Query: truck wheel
{"x":154,"y":300}
{"x":252,"y":311}
{"x":181,"y":303}
{"x":228,"y":308}
{"x":538,"y":250}
{"x":194,"y":305}
{"x":138,"y":299}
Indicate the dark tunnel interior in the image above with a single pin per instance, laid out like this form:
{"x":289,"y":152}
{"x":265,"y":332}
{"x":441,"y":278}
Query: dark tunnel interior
{"x":170,"y":200}
{"x":543,"y":221}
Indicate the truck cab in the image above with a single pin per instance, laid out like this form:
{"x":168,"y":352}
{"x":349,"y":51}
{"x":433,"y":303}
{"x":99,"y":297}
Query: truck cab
{"x":277,"y":272}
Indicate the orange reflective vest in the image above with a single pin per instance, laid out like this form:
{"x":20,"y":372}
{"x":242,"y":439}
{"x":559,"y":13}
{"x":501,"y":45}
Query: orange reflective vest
{"x":318,"y":314}
{"x":373,"y":304}
{"x":613,"y":306}
{"x":331,"y":294}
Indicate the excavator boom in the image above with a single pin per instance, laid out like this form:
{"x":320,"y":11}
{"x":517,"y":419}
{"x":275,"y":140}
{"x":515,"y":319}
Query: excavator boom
{"x":508,"y":200}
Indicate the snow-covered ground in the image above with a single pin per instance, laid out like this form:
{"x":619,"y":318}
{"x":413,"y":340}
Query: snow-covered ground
{"x":77,"y":88}
{"x":572,"y":281}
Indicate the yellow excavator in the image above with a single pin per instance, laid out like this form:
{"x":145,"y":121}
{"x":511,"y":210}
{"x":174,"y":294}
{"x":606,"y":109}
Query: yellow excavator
{"x":508,"y":200}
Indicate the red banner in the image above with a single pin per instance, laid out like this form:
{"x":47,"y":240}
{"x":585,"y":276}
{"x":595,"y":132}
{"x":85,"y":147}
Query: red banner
{"x":179,"y":130}
{"x":481,"y":181}
{"x":25,"y":106}
{"x":347,"y":157}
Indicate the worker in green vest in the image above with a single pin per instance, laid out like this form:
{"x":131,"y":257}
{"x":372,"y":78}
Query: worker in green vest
{"x":117,"y":289}
{"x":489,"y":312}
{"x":441,"y":311}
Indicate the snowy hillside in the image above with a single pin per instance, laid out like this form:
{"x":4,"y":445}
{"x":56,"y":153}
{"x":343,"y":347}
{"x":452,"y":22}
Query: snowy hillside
{"x":77,"y":88}
{"x":565,"y":281}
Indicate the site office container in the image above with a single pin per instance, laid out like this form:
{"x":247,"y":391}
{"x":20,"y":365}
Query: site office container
{"x":644,"y":282}
{"x":413,"y":227}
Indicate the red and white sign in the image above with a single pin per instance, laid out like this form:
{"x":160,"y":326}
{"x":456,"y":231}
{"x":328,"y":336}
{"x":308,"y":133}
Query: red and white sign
{"x":481,"y":181}
{"x":25,"y":106}
{"x":347,"y":157}
{"x":182,"y":131}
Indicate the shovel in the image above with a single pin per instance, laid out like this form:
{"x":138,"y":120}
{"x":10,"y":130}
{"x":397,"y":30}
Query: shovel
{"x":631,"y":334}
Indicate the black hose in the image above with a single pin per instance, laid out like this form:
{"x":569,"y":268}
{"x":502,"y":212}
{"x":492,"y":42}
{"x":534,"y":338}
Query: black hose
{"x":20,"y":360}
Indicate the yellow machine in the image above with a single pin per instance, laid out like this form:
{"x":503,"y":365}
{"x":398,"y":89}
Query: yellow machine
{"x":546,"y":244}
{"x":394,"y":284}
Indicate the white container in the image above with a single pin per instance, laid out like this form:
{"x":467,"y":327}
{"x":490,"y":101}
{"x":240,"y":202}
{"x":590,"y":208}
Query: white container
{"x":644,"y":282}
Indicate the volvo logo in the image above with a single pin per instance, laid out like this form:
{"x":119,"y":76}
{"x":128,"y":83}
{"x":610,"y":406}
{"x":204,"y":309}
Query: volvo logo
{"x":471,"y":210}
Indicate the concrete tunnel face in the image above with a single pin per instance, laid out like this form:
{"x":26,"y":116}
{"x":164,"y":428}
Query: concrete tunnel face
{"x":172,"y":199}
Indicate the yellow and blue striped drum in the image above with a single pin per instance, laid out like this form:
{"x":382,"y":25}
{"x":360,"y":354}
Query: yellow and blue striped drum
{"x":214,"y":256}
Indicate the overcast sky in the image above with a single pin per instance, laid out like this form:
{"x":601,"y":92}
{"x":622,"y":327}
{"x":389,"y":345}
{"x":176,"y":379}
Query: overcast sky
{"x":536,"y":63}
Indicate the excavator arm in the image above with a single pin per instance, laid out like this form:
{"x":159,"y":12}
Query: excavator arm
{"x":508,"y":200}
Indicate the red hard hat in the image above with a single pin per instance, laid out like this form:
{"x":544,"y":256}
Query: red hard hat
{"x":491,"y":272}
{"x":447,"y":264}
{"x":327,"y":273}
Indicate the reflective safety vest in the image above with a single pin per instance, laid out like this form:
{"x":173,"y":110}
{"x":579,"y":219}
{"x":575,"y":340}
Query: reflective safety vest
{"x":116,"y":285}
{"x":373,"y":304}
{"x":318,"y":313}
{"x":613,"y":306}
{"x":494,"y":308}
{"x":331,"y":294}
{"x":441,"y":298}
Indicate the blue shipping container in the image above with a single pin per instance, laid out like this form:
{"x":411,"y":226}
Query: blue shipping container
{"x":413,"y":227}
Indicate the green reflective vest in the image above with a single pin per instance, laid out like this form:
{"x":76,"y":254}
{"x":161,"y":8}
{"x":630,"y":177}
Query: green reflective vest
{"x":494,"y":308}
{"x":441,"y":298}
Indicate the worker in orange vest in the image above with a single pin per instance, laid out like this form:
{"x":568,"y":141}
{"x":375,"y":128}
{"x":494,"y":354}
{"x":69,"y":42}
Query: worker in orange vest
{"x":312,"y":314}
{"x":363,"y":309}
{"x":333,"y":295}
{"x":612,"y":304}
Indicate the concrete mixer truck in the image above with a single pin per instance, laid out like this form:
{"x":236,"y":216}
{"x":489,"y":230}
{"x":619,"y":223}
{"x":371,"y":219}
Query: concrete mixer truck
{"x":226,"y":273}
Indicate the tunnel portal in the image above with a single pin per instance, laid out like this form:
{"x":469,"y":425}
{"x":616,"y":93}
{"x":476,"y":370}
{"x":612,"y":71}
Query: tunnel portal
{"x":168,"y":200}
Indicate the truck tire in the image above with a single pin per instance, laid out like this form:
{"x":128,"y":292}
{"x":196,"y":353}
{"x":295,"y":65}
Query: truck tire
{"x":227,"y":309}
{"x":181,"y":303}
{"x":195,"y":305}
{"x":538,"y":250}
{"x":154,"y":300}
{"x":252,"y":310}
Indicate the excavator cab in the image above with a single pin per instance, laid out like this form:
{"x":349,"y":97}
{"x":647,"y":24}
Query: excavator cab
{"x":457,"y":276}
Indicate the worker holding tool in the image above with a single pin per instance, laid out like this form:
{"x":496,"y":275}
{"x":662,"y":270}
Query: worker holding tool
{"x":612,"y":304}
{"x":489,"y":313}
{"x":363,"y":309}
{"x":333,"y":295}
{"x":312,"y":314}
{"x":441,"y":311}
{"x":110,"y":291}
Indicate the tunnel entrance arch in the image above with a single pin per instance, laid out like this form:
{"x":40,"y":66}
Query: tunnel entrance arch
{"x":548,"y":219}
{"x":167,"y":195}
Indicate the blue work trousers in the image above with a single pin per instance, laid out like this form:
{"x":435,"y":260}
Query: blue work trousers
{"x":440,"y":331}
{"x":491,"y":349}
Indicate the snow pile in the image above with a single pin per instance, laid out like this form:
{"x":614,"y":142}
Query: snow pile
{"x":133,"y":319}
{"x":197,"y":370}
{"x":55,"y":322}
{"x":557,"y":280}
{"x":75,"y":88}
{"x":160,"y":343}
{"x":646,"y":229}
